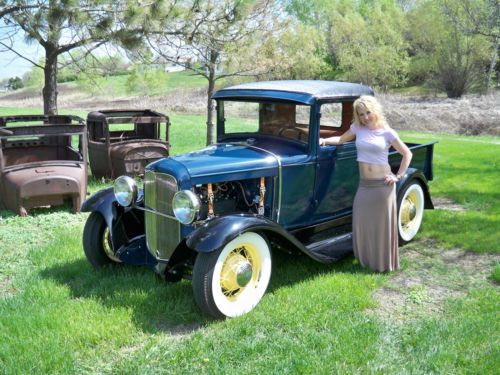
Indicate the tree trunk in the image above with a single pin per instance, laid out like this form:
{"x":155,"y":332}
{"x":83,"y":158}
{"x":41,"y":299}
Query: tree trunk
{"x":494,"y":58}
{"x":210,"y":105}
{"x":50,"y":83}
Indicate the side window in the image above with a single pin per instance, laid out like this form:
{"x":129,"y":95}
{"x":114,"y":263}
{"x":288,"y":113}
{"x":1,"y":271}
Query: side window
{"x":331,"y":115}
{"x":302,"y":113}
{"x":285,"y":120}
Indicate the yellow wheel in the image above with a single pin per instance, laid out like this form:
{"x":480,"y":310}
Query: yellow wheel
{"x":232,"y":281}
{"x":410,"y":211}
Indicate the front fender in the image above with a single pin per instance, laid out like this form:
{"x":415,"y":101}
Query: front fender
{"x":214,"y":234}
{"x":102,"y":202}
{"x":124,"y":223}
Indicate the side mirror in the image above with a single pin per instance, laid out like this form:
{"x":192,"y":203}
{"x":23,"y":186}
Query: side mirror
{"x":4,"y":131}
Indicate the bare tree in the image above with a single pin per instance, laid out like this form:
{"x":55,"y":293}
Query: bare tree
{"x":210,"y":39}
{"x":60,"y":26}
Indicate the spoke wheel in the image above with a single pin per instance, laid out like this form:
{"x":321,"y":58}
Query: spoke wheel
{"x":232,"y":281}
{"x":97,"y":241}
{"x":410,"y":211}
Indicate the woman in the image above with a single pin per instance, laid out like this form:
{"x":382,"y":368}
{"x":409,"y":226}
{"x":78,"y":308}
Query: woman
{"x":375,"y":234}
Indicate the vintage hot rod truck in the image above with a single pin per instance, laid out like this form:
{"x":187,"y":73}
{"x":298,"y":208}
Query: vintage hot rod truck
{"x":214,"y":215}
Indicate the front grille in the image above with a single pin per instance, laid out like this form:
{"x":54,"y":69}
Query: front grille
{"x":162,"y":233}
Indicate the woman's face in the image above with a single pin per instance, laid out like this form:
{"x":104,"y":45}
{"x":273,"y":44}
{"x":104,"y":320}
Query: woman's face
{"x":366,"y":117}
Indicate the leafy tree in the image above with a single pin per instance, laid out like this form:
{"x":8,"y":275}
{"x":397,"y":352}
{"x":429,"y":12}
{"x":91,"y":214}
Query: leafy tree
{"x":479,"y":18}
{"x":323,"y":15}
{"x":62,"y":26}
{"x":79,"y":65}
{"x":34,"y":78}
{"x":372,"y":48}
{"x":90,"y":81}
{"x":298,"y":49}
{"x":363,"y":40}
{"x":210,"y":39}
{"x":146,"y":79}
{"x":450,"y":59}
{"x":15,"y":83}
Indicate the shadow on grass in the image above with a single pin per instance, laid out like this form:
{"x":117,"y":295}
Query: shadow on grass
{"x":66,"y":207}
{"x":155,"y":305}
{"x":170,"y":307}
{"x":292,"y":269}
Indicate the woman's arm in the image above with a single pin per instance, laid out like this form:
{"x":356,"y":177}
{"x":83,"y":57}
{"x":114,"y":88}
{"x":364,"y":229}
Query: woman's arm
{"x":346,"y":137}
{"x":405,"y":161}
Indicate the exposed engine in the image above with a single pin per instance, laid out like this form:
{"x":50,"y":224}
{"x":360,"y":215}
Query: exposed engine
{"x":231,"y":197}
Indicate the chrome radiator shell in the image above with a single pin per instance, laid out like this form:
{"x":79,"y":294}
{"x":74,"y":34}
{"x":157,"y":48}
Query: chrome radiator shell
{"x":163,"y":231}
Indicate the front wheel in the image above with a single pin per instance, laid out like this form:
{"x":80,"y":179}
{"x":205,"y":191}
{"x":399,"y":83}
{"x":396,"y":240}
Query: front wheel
{"x":97,"y":242}
{"x":410,"y":211}
{"x":232,"y":281}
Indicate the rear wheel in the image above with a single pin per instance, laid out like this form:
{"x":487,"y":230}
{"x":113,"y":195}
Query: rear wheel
{"x":97,"y":241}
{"x":232,"y":281}
{"x":410,"y":211}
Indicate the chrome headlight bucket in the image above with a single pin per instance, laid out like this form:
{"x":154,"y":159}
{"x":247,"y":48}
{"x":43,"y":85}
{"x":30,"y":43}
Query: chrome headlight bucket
{"x":125,"y":190}
{"x":186,"y":206}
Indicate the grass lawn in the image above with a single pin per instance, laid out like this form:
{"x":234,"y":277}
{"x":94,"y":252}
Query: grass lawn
{"x":439,"y":314}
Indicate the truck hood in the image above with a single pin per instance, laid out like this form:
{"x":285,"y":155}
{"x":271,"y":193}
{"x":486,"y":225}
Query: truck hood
{"x":220,"y":162}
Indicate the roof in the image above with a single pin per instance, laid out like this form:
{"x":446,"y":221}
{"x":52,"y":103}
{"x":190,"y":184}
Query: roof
{"x":301,"y":91}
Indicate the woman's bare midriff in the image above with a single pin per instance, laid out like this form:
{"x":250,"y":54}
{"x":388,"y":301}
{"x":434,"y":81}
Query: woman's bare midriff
{"x":373,"y":171}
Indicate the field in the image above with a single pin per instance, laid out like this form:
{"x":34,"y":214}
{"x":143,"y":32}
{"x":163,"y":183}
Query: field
{"x":438,"y":314}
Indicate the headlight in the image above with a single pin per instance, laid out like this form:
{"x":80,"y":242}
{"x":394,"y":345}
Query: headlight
{"x":125,"y":190}
{"x":186,"y":206}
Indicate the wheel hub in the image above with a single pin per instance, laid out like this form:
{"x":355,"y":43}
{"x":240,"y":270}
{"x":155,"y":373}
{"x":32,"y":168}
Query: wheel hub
{"x":244,"y":274}
{"x":408,"y":212}
{"x":236,"y":273}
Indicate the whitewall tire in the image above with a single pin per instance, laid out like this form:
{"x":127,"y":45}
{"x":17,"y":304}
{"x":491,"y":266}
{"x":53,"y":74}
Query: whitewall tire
{"x":231,"y":281}
{"x":411,"y":204}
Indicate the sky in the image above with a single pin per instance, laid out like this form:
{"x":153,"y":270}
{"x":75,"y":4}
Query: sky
{"x":12,"y":65}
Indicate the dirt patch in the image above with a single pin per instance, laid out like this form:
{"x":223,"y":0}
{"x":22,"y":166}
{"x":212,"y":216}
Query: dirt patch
{"x":191,"y":101}
{"x":179,"y":330}
{"x":432,"y":276}
{"x":6,"y":289}
{"x":442,"y":203}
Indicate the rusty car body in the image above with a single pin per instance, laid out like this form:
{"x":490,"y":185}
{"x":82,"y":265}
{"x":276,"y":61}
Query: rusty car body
{"x":43,"y":161}
{"x":123,"y":142}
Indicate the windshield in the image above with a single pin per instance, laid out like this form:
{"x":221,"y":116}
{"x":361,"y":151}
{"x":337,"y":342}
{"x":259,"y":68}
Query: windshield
{"x":284,"y":120}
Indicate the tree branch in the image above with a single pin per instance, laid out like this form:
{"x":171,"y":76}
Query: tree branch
{"x":21,"y":56}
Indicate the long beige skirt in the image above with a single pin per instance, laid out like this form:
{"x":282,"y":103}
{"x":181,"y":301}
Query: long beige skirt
{"x":374,"y":226}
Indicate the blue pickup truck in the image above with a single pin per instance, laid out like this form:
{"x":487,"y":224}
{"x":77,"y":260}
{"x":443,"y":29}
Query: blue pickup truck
{"x":214,"y":215}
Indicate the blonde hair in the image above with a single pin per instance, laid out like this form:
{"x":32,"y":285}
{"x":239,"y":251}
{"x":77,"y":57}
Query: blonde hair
{"x":370,"y":104}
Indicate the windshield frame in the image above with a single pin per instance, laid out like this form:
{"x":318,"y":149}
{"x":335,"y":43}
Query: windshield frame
{"x":221,"y":121}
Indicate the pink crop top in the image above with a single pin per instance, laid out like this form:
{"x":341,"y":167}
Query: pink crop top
{"x":373,"y":145}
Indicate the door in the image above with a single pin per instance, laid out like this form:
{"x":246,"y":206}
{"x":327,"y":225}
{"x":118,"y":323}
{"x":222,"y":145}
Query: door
{"x":337,"y":179}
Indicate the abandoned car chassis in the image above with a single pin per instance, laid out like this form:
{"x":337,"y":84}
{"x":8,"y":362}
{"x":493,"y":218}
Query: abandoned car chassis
{"x":43,"y":161}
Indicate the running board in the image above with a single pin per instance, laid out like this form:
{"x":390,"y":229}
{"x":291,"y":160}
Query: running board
{"x":331,"y":249}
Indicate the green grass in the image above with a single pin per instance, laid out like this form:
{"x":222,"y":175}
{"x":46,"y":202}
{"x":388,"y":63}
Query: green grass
{"x":58,"y":315}
{"x":466,"y":171}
